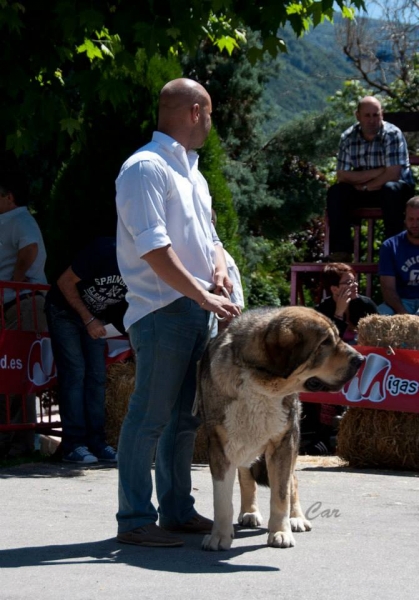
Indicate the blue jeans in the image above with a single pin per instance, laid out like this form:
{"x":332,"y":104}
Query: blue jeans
{"x":411,"y":305}
{"x":81,"y":374}
{"x":159,"y":424}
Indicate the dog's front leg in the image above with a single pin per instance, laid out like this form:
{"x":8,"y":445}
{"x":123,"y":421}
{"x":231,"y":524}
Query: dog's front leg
{"x":279,"y":461}
{"x":249,"y":511}
{"x":222,"y":533}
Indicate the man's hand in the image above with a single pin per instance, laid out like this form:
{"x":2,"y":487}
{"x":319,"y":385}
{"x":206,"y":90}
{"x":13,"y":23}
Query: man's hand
{"x":221,"y":306}
{"x":96,"y":329}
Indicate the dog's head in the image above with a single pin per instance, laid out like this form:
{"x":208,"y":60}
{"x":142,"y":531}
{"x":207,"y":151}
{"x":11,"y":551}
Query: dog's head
{"x":300,"y":345}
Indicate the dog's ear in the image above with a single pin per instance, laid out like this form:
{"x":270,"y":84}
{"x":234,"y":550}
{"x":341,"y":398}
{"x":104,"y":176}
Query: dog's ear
{"x":289,"y":344}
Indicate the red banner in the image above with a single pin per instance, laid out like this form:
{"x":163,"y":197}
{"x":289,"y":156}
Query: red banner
{"x":27,"y":363}
{"x":386,"y":380}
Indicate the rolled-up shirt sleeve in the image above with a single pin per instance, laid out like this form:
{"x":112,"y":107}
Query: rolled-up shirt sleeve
{"x":141,"y":197}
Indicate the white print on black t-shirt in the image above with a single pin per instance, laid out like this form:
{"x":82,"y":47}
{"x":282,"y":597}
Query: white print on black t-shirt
{"x":110,"y":279}
{"x":99,"y":297}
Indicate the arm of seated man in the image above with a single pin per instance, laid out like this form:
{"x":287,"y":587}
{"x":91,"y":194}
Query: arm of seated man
{"x":390,"y":295}
{"x":359,"y":178}
{"x":390,"y":174}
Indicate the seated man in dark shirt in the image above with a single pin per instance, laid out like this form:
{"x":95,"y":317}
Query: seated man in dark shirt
{"x":87,"y":296}
{"x":373,"y":171}
{"x":399,"y":267}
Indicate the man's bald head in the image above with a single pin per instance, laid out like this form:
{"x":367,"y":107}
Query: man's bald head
{"x":184,"y":112}
{"x":181,"y":93}
{"x":368,"y":100}
{"x":370,"y":117}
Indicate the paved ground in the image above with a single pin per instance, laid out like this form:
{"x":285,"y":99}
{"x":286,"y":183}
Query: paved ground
{"x":58,"y":526}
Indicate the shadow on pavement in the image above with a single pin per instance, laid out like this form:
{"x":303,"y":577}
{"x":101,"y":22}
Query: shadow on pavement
{"x":50,"y":469}
{"x":187,"y":559}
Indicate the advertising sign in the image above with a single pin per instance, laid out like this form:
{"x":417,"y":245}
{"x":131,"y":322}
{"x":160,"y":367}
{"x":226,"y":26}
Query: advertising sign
{"x":388,"y":380}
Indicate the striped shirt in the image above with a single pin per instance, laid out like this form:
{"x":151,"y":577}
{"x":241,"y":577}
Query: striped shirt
{"x":387,"y":149}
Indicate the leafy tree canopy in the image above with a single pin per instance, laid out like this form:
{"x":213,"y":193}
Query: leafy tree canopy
{"x":59,"y":55}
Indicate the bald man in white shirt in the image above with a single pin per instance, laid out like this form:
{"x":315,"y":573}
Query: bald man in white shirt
{"x":173,"y":264}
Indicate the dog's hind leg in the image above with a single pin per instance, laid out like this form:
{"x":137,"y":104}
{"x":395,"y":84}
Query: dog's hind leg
{"x":298,"y":519}
{"x":249,"y":511}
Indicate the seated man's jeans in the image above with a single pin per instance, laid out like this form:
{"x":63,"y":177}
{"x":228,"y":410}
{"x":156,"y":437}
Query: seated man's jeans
{"x":412,"y":307}
{"x":343,"y":199}
{"x":159,"y":424}
{"x":81,"y":374}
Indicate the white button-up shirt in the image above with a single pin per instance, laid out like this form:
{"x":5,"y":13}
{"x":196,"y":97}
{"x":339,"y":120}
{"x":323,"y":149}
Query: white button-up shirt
{"x":162,"y":199}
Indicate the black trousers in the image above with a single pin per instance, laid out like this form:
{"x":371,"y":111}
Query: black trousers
{"x":343,"y":199}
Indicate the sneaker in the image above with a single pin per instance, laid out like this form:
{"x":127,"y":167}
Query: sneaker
{"x":317,"y":449}
{"x":108,"y":454}
{"x":80,"y":455}
{"x":149,"y":535}
{"x":198,"y":524}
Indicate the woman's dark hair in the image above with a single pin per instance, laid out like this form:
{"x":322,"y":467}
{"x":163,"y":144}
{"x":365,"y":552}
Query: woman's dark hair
{"x":332,"y":274}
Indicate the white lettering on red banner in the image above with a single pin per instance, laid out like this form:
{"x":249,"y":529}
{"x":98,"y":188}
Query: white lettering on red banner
{"x":373,"y":380}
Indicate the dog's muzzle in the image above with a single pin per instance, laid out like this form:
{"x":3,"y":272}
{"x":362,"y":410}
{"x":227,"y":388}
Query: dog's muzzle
{"x":315,"y":384}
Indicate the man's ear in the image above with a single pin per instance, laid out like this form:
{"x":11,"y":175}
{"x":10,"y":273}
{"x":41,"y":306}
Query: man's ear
{"x":195,"y":113}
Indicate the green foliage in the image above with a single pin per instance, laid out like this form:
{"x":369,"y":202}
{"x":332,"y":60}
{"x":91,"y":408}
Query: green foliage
{"x":267,"y":271}
{"x":57,"y":55}
{"x":212,"y":158}
{"x":313,"y":68}
{"x":82,"y":92}
{"x":81,"y":204}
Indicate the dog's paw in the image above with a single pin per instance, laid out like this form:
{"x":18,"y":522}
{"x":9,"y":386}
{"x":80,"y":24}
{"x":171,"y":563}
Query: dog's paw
{"x":250,"y":519}
{"x":281,"y":539}
{"x":299,"y":524}
{"x":218,"y":541}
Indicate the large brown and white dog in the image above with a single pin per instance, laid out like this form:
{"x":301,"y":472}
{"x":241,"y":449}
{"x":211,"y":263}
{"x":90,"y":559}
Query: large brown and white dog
{"x":247,"y":397}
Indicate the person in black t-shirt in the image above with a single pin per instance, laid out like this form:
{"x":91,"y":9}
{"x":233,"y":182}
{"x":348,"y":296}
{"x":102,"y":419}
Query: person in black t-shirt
{"x":88,"y":295}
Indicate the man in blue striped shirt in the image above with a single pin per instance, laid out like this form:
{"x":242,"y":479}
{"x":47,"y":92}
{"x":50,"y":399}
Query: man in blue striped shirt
{"x":373,"y":170}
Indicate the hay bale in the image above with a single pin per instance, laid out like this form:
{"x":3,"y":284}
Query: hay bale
{"x":119,"y":387}
{"x":380,"y":438}
{"x":120,"y":382}
{"x":397,"y":331}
